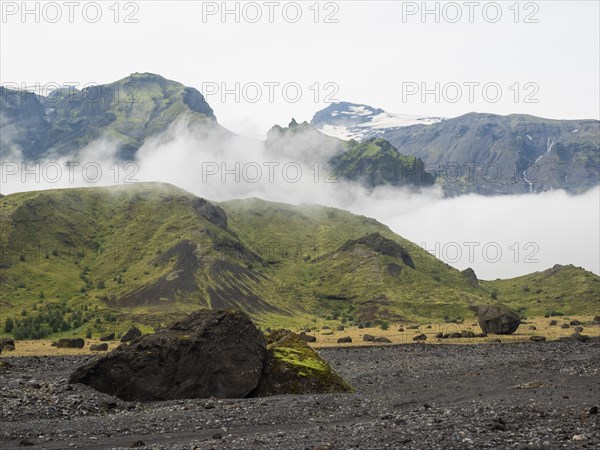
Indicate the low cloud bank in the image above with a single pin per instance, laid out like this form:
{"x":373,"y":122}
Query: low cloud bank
{"x":499,"y":237}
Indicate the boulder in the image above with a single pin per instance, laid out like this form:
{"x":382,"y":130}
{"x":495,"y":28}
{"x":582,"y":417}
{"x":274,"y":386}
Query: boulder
{"x":439,"y":335}
{"x":4,"y":342}
{"x":211,"y":353}
{"x":532,"y":327}
{"x":99,"y":347}
{"x":108,"y":337}
{"x":340,"y":328}
{"x":293,"y":367}
{"x":565,"y":325}
{"x":368,"y":338}
{"x":132,"y":334}
{"x":553,"y":323}
{"x":344,"y":340}
{"x":580,"y":337}
{"x":382,"y":340}
{"x":420,"y":337}
{"x":575,"y":322}
{"x":497,"y":319}
{"x":307,"y":337}
{"x":537,"y":339}
{"x":578,"y":329}
{"x":70,"y":343}
{"x":401,"y":330}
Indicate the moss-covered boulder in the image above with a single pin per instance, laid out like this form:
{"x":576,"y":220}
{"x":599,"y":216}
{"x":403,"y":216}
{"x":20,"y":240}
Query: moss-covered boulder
{"x":293,"y":367}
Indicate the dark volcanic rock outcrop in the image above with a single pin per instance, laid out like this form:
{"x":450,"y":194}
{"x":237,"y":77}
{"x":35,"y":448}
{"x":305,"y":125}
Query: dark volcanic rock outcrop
{"x":497,"y":319}
{"x":381,"y":245}
{"x":133,"y":333}
{"x":211,"y":353}
{"x":471,"y":277}
{"x":293,"y":367}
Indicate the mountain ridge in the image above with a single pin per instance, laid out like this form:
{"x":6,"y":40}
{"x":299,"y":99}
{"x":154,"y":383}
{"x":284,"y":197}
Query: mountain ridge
{"x":284,"y":265}
{"x":492,"y":154}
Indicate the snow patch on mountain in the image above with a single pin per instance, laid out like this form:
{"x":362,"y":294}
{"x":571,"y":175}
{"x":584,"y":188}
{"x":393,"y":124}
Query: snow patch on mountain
{"x":346,"y":121}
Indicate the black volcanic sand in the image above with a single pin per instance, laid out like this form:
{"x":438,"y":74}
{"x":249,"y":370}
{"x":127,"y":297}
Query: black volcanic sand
{"x":408,"y":396}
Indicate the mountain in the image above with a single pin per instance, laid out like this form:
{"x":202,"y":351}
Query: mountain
{"x":474,"y":153}
{"x":101,"y":258}
{"x":348,"y":121}
{"x":127,"y":112}
{"x":491,"y":154}
{"x":566,"y":288}
{"x":373,"y":162}
{"x":143,"y":106}
{"x":376,"y":162}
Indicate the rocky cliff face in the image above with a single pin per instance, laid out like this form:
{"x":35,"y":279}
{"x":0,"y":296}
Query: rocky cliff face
{"x":492,"y":154}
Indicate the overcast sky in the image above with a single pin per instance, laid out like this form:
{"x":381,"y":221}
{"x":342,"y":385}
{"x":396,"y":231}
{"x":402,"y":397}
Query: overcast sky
{"x":373,"y":54}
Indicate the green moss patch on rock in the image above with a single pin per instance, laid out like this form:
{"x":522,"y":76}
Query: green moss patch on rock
{"x":293,"y":367}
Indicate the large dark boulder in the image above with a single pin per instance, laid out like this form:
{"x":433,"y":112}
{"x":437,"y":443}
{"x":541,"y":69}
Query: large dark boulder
{"x":108,"y":337}
{"x":133,"y":333}
{"x":70,"y":343}
{"x":211,"y":353}
{"x":307,"y":337}
{"x":497,"y":319}
{"x":293,"y":367}
{"x":103,"y":347}
{"x":580,"y":337}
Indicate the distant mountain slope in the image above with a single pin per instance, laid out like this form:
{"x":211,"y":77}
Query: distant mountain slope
{"x":148,"y":253}
{"x":490,"y":154}
{"x":375,"y":162}
{"x":371,"y":163}
{"x":127,"y":111}
{"x":509,"y":154}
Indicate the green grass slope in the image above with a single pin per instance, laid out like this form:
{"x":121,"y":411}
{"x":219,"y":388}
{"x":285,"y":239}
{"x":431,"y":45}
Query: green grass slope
{"x":144,"y":253}
{"x":558,"y":290}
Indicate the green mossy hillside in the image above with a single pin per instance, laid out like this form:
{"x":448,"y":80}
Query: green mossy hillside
{"x":79,"y":262}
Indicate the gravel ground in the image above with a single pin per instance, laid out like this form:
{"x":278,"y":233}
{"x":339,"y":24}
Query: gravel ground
{"x":522,"y":396}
